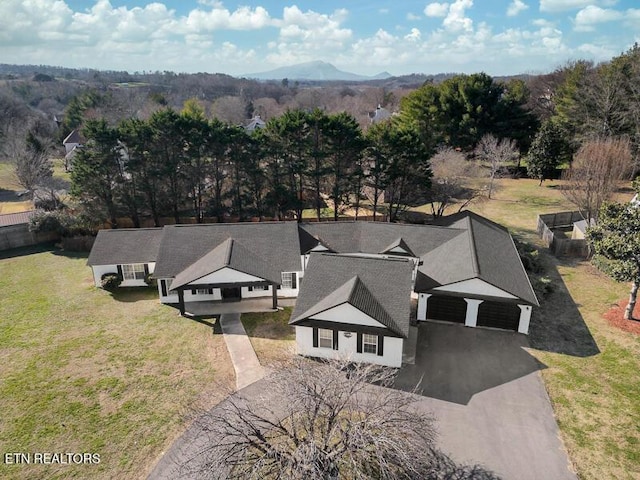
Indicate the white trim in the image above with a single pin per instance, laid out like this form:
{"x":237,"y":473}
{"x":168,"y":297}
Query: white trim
{"x":525,"y":318}
{"x":475,"y":286}
{"x":347,"y":314}
{"x":226,"y":275}
{"x":471,"y":318}
{"x":423,"y":299}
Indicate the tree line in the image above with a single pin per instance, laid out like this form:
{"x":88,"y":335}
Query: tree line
{"x":183,"y":164}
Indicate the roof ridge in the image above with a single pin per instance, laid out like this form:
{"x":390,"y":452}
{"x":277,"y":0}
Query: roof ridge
{"x":229,"y":251}
{"x":472,"y":246}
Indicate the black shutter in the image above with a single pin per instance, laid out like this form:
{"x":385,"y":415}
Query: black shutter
{"x":163,"y":286}
{"x":293,"y":280}
{"x":120,"y":271}
{"x":146,"y":270}
{"x":315,"y":337}
{"x":193,"y":291}
{"x":335,"y":338}
{"x":380,"y":345}
{"x":210,"y":291}
{"x":359,"y":343}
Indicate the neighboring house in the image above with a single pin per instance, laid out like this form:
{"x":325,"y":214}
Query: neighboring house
{"x":354,"y":280}
{"x":380,"y":114}
{"x":72,"y":143}
{"x":256,"y":123}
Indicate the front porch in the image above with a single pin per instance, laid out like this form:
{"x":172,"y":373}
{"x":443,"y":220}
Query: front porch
{"x":248,"y":305}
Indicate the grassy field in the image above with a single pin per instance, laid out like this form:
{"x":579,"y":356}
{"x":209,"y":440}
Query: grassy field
{"x":9,"y":201}
{"x":272,"y":337}
{"x":83,"y":371}
{"x":592,"y":369}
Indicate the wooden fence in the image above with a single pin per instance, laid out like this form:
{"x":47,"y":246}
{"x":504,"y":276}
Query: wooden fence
{"x":553,"y":228}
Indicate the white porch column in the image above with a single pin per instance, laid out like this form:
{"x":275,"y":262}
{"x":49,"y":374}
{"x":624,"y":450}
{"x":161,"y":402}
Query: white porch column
{"x":422,"y":305}
{"x":525,"y":318}
{"x":471,"y":318}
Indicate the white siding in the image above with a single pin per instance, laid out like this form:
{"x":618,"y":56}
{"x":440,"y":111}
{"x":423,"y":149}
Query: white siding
{"x":347,"y":349}
{"x":475,"y":286}
{"x":228,"y":275}
{"x":188,"y":296}
{"x":347,"y":314}
{"x":100,"y":270}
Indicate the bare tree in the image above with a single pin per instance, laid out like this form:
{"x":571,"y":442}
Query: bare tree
{"x":322,"y":421}
{"x":450,"y":182}
{"x":230,"y":109}
{"x":497,"y":153}
{"x":32,"y":165}
{"x":596,"y":172}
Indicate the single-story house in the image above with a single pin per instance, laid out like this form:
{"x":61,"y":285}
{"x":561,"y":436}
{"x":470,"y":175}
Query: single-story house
{"x":355,"y":279}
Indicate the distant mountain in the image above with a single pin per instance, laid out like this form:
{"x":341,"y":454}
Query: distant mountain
{"x":311,"y":71}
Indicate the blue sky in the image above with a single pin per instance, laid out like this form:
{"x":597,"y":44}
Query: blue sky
{"x":500,"y":37}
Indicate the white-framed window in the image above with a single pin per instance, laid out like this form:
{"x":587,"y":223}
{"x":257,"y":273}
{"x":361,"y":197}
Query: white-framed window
{"x":289,"y":280}
{"x":370,"y":343}
{"x":133,"y":271}
{"x":203,"y":291}
{"x":258,"y":288}
{"x":168,"y":283}
{"x":325,"y":338}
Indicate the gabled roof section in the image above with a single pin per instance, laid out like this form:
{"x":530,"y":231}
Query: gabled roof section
{"x":309,"y":242}
{"x":485,"y":250}
{"x":378,"y":287}
{"x":73,"y":137}
{"x":399,"y":243}
{"x":376,"y":237}
{"x":277,"y":243}
{"x":228,"y":254}
{"x":125,"y":246}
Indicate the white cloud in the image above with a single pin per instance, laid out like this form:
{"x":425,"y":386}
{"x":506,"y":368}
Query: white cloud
{"x":415,"y":35}
{"x":564,"y":5}
{"x":456,"y":20}
{"x":587,"y":18}
{"x":516,"y":7}
{"x":436,"y":9}
{"x":412,"y":17}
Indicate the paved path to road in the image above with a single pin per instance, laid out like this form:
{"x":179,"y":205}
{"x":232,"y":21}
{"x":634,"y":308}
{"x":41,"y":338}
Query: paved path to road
{"x":243,"y":356}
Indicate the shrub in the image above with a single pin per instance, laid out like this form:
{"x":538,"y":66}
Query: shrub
{"x":110,"y":281}
{"x":149,"y":280}
{"x":543,"y":286}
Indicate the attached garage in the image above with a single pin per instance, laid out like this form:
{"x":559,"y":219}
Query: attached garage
{"x":449,"y":309}
{"x":499,"y":315}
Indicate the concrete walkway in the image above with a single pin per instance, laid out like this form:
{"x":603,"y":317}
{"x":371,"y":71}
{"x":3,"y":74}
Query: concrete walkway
{"x":244,"y":359}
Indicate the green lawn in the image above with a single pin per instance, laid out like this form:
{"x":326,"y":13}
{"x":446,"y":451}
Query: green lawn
{"x":272,"y":337}
{"x":82,"y":371}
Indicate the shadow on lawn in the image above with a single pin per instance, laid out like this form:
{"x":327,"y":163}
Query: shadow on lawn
{"x":557,"y":326}
{"x":29,"y":250}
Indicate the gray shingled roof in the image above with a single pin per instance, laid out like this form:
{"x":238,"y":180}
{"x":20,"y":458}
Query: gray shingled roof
{"x":379,"y":287}
{"x":486,"y":251}
{"x":228,"y":254}
{"x":125,"y":245}
{"x":376,"y":237}
{"x":277,"y":243}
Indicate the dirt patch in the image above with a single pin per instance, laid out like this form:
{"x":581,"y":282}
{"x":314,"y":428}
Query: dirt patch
{"x":615,"y":317}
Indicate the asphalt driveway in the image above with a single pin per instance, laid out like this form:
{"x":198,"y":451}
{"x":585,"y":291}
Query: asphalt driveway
{"x":484,"y":390}
{"x":489,"y":401}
